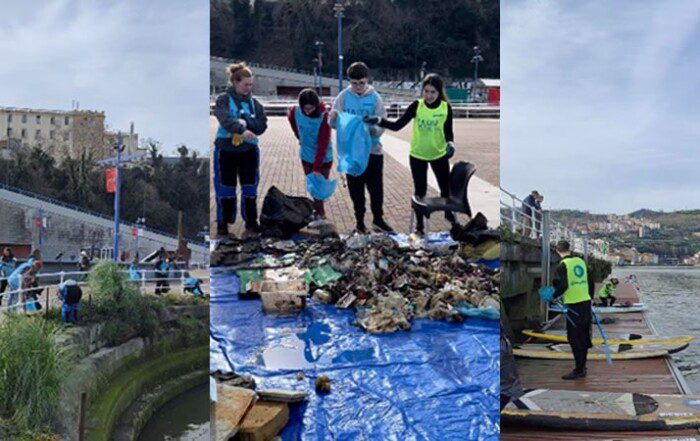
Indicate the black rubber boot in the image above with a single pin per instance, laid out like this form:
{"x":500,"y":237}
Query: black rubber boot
{"x":250,"y":208}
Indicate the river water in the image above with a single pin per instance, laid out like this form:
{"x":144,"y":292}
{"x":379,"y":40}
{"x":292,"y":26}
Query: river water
{"x":673,"y":296}
{"x":184,"y":418}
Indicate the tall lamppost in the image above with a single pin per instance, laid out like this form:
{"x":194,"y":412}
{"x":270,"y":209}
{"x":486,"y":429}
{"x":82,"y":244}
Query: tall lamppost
{"x":339,"y":8}
{"x":476,"y":59}
{"x":119,"y":148}
{"x":319,"y":47}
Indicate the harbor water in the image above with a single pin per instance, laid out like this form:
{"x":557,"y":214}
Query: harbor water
{"x":184,"y":418}
{"x":673,"y":296}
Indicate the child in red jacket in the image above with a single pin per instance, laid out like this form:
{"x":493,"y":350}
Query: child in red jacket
{"x":309,"y":121}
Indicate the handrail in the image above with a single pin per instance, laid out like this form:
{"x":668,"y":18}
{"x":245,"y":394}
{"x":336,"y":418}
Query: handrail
{"x":511,"y":214}
{"x":69,"y":206}
{"x":143,"y":281}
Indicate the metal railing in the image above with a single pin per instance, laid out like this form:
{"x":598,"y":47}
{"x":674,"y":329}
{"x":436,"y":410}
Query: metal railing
{"x":541,"y":228}
{"x":87,"y":211}
{"x":12,"y":297}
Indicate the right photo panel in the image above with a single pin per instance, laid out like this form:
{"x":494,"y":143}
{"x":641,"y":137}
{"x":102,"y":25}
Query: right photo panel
{"x":600,"y":220}
{"x":355,"y":268}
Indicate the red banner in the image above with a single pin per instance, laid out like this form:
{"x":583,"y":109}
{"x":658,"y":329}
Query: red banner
{"x":111,"y":179}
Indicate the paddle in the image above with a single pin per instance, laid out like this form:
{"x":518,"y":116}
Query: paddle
{"x":602,"y":334}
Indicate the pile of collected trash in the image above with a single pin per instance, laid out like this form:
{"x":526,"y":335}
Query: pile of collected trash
{"x":388,"y":283}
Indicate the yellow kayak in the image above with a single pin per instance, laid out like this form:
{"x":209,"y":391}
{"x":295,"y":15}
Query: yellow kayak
{"x":615,"y":339}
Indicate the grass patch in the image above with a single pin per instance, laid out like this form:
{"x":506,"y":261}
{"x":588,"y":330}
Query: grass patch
{"x":32,"y":372}
{"x":116,"y":301}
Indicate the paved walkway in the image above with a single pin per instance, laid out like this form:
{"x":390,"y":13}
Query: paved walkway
{"x":280,"y":166}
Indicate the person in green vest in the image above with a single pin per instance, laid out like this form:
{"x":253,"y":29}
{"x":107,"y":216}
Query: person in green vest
{"x":573,"y":283}
{"x":432,"y":140}
{"x":607,"y":292}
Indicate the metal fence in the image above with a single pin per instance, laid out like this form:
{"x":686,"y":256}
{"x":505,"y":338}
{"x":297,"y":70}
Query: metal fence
{"x":13,"y":298}
{"x":538,"y":226}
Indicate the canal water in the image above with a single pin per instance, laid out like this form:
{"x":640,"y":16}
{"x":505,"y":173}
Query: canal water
{"x":673,"y":296}
{"x":184,"y":418}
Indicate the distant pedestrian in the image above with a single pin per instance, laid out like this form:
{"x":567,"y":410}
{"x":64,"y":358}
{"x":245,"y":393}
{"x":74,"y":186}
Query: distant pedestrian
{"x":532,"y":213}
{"x":359,"y":98}
{"x":309,"y":121}
{"x":134,"y":273}
{"x":8,"y":263}
{"x":70,"y":294}
{"x":432,"y":140}
{"x":162,"y":270}
{"x":241,"y":120}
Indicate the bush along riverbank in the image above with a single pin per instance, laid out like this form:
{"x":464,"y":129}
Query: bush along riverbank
{"x":48,"y":369}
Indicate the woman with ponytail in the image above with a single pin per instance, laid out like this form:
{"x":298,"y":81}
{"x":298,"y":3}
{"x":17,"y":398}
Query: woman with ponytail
{"x":236,"y":151}
{"x":432,"y":140}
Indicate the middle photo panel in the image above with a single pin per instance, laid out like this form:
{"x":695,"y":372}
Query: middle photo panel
{"x":354,"y":215}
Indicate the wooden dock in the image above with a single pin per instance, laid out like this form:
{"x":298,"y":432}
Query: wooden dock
{"x":650,"y":376}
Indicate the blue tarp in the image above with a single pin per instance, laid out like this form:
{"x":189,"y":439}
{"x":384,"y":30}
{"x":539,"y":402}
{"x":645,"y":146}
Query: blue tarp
{"x":354,"y":144}
{"x":439,"y":381}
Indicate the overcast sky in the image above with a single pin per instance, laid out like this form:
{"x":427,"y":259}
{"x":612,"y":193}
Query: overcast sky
{"x":141,"y":61}
{"x":601,"y":103}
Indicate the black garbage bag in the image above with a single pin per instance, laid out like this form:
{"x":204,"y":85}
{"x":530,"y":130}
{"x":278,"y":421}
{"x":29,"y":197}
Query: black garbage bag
{"x":284,"y":215}
{"x":475,"y":232}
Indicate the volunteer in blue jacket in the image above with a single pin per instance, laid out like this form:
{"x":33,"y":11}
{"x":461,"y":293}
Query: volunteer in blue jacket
{"x":236,"y":153}
{"x":309,"y":121}
{"x":359,"y":98}
{"x":16,"y":279}
{"x":432,"y":140}
{"x":8,"y":263}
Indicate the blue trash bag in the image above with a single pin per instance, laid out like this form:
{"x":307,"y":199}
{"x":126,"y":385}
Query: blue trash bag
{"x":319,"y":187}
{"x":354,"y":144}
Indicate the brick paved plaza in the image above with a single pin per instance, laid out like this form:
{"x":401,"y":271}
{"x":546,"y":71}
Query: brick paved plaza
{"x":476,"y":141}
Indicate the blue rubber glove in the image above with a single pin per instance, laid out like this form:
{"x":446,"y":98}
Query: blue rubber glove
{"x":450,"y":149}
{"x":371,"y":119}
{"x":547,"y":293}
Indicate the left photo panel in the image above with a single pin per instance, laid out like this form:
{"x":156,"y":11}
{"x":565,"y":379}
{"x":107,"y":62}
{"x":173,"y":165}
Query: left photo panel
{"x":104,"y":214}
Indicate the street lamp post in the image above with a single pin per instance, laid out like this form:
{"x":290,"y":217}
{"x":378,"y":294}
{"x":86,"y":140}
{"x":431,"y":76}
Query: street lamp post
{"x":339,"y":8}
{"x":319,"y":47}
{"x":119,"y":147}
{"x":476,"y":59}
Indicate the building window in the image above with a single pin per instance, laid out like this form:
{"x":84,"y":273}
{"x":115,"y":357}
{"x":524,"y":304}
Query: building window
{"x":66,"y":120}
{"x":9,"y":118}
{"x":9,"y":133}
{"x":52,"y":134}
{"x":24,"y":133}
{"x":38,"y":119}
{"x":24,"y":118}
{"x":53,"y":120}
{"x":38,"y":134}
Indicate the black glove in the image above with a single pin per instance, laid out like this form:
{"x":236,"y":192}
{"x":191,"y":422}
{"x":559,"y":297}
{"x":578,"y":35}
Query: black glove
{"x":450,"y":149}
{"x":371,"y":119}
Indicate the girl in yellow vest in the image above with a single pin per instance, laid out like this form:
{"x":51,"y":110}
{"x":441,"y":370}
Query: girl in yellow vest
{"x":432,"y":140}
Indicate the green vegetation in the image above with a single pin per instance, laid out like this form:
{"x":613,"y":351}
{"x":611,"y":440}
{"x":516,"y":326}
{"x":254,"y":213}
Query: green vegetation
{"x":393,"y":37}
{"x":153,"y":189}
{"x":32,"y":370}
{"x":119,"y":303}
